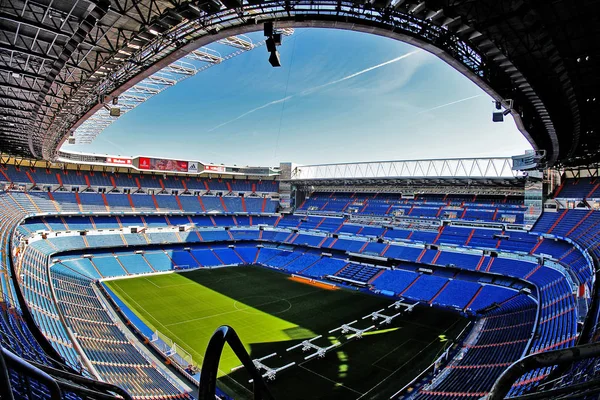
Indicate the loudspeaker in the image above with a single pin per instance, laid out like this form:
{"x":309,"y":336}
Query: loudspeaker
{"x":277,"y":39}
{"x":271,"y":47}
{"x":232,"y":3}
{"x":209,"y":6}
{"x":498,"y":117}
{"x":274,"y":59}
{"x":189,"y":12}
{"x":268,"y":29}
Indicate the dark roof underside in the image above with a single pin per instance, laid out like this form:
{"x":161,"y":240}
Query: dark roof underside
{"x":53,"y":53}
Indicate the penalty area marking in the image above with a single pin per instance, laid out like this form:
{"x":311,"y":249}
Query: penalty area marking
{"x":330,"y":380}
{"x":237,"y":309}
{"x":248,"y":309}
{"x":179,"y":339}
{"x":404,"y":364}
{"x":399,"y":368}
{"x":145,"y":276}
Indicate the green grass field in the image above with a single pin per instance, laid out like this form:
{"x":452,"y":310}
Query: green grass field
{"x":271,"y":312}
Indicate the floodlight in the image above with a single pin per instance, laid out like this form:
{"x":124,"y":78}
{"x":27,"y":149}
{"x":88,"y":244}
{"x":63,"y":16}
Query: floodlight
{"x":271,"y":46}
{"x":268,"y":29}
{"x":274,"y":59}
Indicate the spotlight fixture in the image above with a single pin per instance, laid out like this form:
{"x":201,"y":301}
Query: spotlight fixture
{"x":273,"y":40}
{"x":271,"y":46}
{"x":499,"y":115}
{"x":268,"y":29}
{"x":274,"y":59}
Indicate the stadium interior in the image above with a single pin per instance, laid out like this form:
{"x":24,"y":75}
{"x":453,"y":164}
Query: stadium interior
{"x":135,"y":277}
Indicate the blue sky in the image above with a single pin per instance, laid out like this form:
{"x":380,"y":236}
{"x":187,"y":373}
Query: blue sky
{"x":334,"y":110}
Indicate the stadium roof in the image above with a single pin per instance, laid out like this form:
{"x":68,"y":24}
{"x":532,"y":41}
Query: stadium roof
{"x":455,"y":168}
{"x":63,"y":60}
{"x":474,"y":173}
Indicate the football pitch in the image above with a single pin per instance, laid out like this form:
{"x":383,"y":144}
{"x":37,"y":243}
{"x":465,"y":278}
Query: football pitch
{"x":272,"y":312}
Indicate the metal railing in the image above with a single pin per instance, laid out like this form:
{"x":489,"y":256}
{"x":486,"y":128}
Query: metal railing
{"x":210,"y":366}
{"x":505,"y":382}
{"x":56,"y":381}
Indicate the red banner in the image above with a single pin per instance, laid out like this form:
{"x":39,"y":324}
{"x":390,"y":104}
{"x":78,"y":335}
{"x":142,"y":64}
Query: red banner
{"x":160,"y":164}
{"x":144,"y":163}
{"x":215,"y":168}
{"x":118,"y":160}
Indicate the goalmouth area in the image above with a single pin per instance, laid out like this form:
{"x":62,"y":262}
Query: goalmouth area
{"x":272,"y":312}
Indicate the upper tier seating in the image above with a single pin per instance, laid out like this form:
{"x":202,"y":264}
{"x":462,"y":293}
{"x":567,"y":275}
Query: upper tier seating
{"x":583,"y":188}
{"x":447,"y":207}
{"x":82,"y":179}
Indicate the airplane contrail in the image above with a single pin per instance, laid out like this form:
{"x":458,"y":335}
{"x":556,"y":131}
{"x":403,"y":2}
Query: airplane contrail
{"x":448,"y":104}
{"x":314,"y":89}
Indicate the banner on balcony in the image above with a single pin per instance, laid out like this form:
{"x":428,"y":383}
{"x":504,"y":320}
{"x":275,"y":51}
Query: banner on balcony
{"x":161,"y":164}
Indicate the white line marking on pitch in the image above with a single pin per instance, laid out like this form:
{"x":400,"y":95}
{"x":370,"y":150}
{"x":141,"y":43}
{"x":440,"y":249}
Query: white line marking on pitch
{"x":388,"y":353}
{"x":402,"y":366}
{"x":398,"y":369}
{"x":148,"y":280}
{"x":181,"y":341}
{"x":327,"y":379}
{"x":237,"y":310}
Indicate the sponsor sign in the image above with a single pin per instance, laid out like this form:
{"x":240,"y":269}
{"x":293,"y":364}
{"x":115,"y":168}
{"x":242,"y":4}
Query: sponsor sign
{"x":118,"y":160}
{"x":144,"y":163}
{"x":161,"y":164}
{"x":193,"y":167}
{"x":214,"y":168}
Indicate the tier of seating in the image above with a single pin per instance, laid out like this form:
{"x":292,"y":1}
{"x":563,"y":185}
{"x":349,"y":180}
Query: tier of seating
{"x":463,"y":277}
{"x":109,"y":351}
{"x":436,"y":290}
{"x":15,"y":333}
{"x":505,"y":209}
{"x":48,"y":202}
{"x":424,"y":289}
{"x":499,"y":337}
{"x":448,"y":292}
{"x":43,"y":177}
{"x":579,"y":189}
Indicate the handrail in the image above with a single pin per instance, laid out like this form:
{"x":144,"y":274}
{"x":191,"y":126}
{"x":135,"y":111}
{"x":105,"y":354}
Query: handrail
{"x":47,"y":375}
{"x":210,"y":366}
{"x":457,"y":341}
{"x":5,"y":392}
{"x":18,"y":364}
{"x":554,"y":357}
{"x":95,"y":385}
{"x":581,"y":390}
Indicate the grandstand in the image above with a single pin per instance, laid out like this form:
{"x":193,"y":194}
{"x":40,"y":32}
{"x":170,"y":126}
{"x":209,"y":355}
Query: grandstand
{"x":524,"y":291}
{"x":120,"y":276}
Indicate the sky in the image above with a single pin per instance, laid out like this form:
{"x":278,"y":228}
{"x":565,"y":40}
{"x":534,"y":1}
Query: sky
{"x":339,"y":96}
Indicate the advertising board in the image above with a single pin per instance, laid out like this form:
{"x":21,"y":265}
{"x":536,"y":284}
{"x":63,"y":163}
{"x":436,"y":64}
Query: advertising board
{"x":161,"y":164}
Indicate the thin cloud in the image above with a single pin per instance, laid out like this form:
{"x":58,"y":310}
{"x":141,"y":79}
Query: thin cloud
{"x":251,"y":111}
{"x":449,"y":104}
{"x":316,"y":88}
